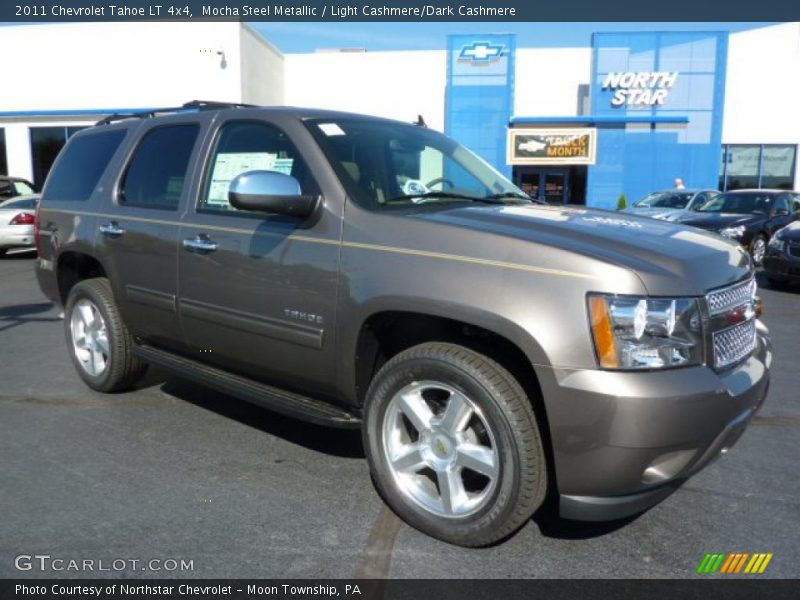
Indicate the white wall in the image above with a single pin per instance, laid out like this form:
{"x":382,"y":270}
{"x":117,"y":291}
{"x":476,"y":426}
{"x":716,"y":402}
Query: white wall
{"x":762,"y":91}
{"x":118,"y":65}
{"x":262,"y":70}
{"x":397,"y":85}
{"x":547,"y":80}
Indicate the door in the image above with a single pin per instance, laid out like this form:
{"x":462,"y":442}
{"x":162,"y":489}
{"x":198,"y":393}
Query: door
{"x":138,"y":232}
{"x":257,"y":292}
{"x":550,"y":184}
{"x":782,"y":213}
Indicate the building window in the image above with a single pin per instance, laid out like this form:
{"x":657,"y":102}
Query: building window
{"x":757,"y":166}
{"x":46,"y":143}
{"x":3,"y":161}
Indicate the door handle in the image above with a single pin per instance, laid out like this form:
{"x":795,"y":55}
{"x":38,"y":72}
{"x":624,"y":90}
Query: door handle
{"x":112,"y":229}
{"x":200,"y":245}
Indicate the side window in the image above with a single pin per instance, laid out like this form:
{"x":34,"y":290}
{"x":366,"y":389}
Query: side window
{"x":80,"y":166}
{"x":27,"y":203}
{"x":156,"y":173}
{"x":250,"y":146}
{"x":782,"y":203}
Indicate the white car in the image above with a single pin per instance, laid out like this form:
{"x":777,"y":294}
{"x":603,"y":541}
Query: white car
{"x":16,"y":222}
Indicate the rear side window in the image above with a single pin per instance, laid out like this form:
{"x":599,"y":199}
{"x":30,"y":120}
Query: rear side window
{"x":156,"y":173}
{"x":26,"y":203}
{"x":77,"y":172}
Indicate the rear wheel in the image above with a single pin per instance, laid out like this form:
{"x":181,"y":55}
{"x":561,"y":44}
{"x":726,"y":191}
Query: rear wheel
{"x":453,"y":444}
{"x":98,"y":340}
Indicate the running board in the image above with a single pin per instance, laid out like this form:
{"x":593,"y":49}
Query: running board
{"x":287,"y":403}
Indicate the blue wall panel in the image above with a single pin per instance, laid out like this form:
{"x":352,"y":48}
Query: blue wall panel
{"x":480,"y":93}
{"x":637,"y":158}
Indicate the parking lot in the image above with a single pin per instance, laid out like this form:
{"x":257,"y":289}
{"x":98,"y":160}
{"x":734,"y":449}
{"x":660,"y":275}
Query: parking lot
{"x":173,"y":471}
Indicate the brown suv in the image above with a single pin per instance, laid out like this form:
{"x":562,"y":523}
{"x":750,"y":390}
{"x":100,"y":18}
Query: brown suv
{"x":361,"y":272}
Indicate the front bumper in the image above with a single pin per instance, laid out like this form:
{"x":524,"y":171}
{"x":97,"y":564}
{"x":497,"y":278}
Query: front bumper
{"x":623,"y":441}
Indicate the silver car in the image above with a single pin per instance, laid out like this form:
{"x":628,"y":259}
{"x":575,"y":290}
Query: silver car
{"x":671,"y":205}
{"x":16,"y":222}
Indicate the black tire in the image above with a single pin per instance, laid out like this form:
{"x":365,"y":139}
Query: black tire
{"x":122,"y":368}
{"x":758,"y":241}
{"x":776,"y":282}
{"x":522,"y":482}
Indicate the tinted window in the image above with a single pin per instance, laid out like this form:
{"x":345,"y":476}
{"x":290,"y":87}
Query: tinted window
{"x":156,"y":173}
{"x":78,"y":171}
{"x":46,"y":143}
{"x":741,"y":203}
{"x":783,"y":203}
{"x":251,"y":146}
{"x":27,"y":203}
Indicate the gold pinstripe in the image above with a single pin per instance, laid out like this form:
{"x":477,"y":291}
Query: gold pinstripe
{"x":354,"y":245}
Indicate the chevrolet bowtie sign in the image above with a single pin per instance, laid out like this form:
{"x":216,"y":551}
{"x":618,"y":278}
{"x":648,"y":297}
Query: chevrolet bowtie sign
{"x":481,"y":52}
{"x":575,"y":146}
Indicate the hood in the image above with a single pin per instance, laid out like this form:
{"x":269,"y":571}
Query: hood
{"x":791,"y":233}
{"x":669,"y":259}
{"x":654,"y":212}
{"x":717,"y":221}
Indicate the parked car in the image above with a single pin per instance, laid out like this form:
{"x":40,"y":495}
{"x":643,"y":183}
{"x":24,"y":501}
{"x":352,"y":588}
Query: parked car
{"x":11,"y":187}
{"x":16,"y":222}
{"x":670,"y":205}
{"x":750,"y":217}
{"x":361,"y":272}
{"x":782,"y":258}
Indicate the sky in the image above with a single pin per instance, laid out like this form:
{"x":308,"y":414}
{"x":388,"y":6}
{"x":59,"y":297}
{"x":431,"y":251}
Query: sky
{"x":307,"y":37}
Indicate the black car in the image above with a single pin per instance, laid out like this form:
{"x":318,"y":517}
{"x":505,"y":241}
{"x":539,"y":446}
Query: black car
{"x":11,"y":187}
{"x":750,"y":217}
{"x":782,"y":259}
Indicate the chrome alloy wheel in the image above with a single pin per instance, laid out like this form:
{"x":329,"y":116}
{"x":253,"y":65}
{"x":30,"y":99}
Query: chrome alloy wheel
{"x":440,"y":449}
{"x":758,"y":250}
{"x":89,"y":337}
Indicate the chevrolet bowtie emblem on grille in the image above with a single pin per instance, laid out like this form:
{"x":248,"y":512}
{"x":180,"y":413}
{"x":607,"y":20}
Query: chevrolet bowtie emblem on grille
{"x":481,"y":52}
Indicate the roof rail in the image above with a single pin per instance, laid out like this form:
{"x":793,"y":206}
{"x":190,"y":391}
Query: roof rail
{"x":194,"y":105}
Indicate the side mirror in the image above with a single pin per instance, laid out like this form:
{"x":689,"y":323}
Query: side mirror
{"x":270,"y":192}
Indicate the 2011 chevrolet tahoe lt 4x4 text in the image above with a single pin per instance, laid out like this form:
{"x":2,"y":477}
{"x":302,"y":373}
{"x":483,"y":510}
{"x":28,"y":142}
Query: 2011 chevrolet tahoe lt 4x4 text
{"x":361,"y":272}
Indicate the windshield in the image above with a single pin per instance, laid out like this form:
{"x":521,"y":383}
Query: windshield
{"x":387,"y":165}
{"x":750,"y":203}
{"x":23,"y":188}
{"x":665,"y":200}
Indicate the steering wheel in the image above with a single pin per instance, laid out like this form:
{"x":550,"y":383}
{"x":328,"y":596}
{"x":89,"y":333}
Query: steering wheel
{"x":443,"y":180}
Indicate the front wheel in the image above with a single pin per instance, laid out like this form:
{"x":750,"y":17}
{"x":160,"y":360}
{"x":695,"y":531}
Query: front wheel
{"x":758,"y":248}
{"x":453,"y":444}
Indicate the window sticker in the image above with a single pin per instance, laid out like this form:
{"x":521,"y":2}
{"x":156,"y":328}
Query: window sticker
{"x":330,"y":129}
{"x":228,"y":166}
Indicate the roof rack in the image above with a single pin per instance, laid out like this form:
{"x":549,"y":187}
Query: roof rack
{"x":194,"y":105}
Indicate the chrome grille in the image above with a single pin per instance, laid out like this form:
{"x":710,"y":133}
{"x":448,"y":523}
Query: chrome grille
{"x":722,"y":301}
{"x":733,"y":344}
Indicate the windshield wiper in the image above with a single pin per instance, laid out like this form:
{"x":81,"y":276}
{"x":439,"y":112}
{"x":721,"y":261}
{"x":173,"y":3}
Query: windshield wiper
{"x":515,"y":195}
{"x":421,"y":198}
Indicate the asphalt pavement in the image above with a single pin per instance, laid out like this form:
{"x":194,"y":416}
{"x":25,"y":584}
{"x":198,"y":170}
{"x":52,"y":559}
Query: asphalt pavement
{"x":174,"y":473}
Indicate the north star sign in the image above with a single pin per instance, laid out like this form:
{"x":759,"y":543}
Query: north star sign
{"x":649,"y":88}
{"x":481,"y":51}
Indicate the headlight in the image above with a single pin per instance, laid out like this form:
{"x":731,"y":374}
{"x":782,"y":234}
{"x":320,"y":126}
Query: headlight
{"x":734,"y":233}
{"x":637,"y":332}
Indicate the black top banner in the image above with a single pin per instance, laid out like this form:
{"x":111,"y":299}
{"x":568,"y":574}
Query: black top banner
{"x":398,"y":10}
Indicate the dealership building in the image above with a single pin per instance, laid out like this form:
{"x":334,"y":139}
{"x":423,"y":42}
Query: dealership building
{"x":627,"y":113}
